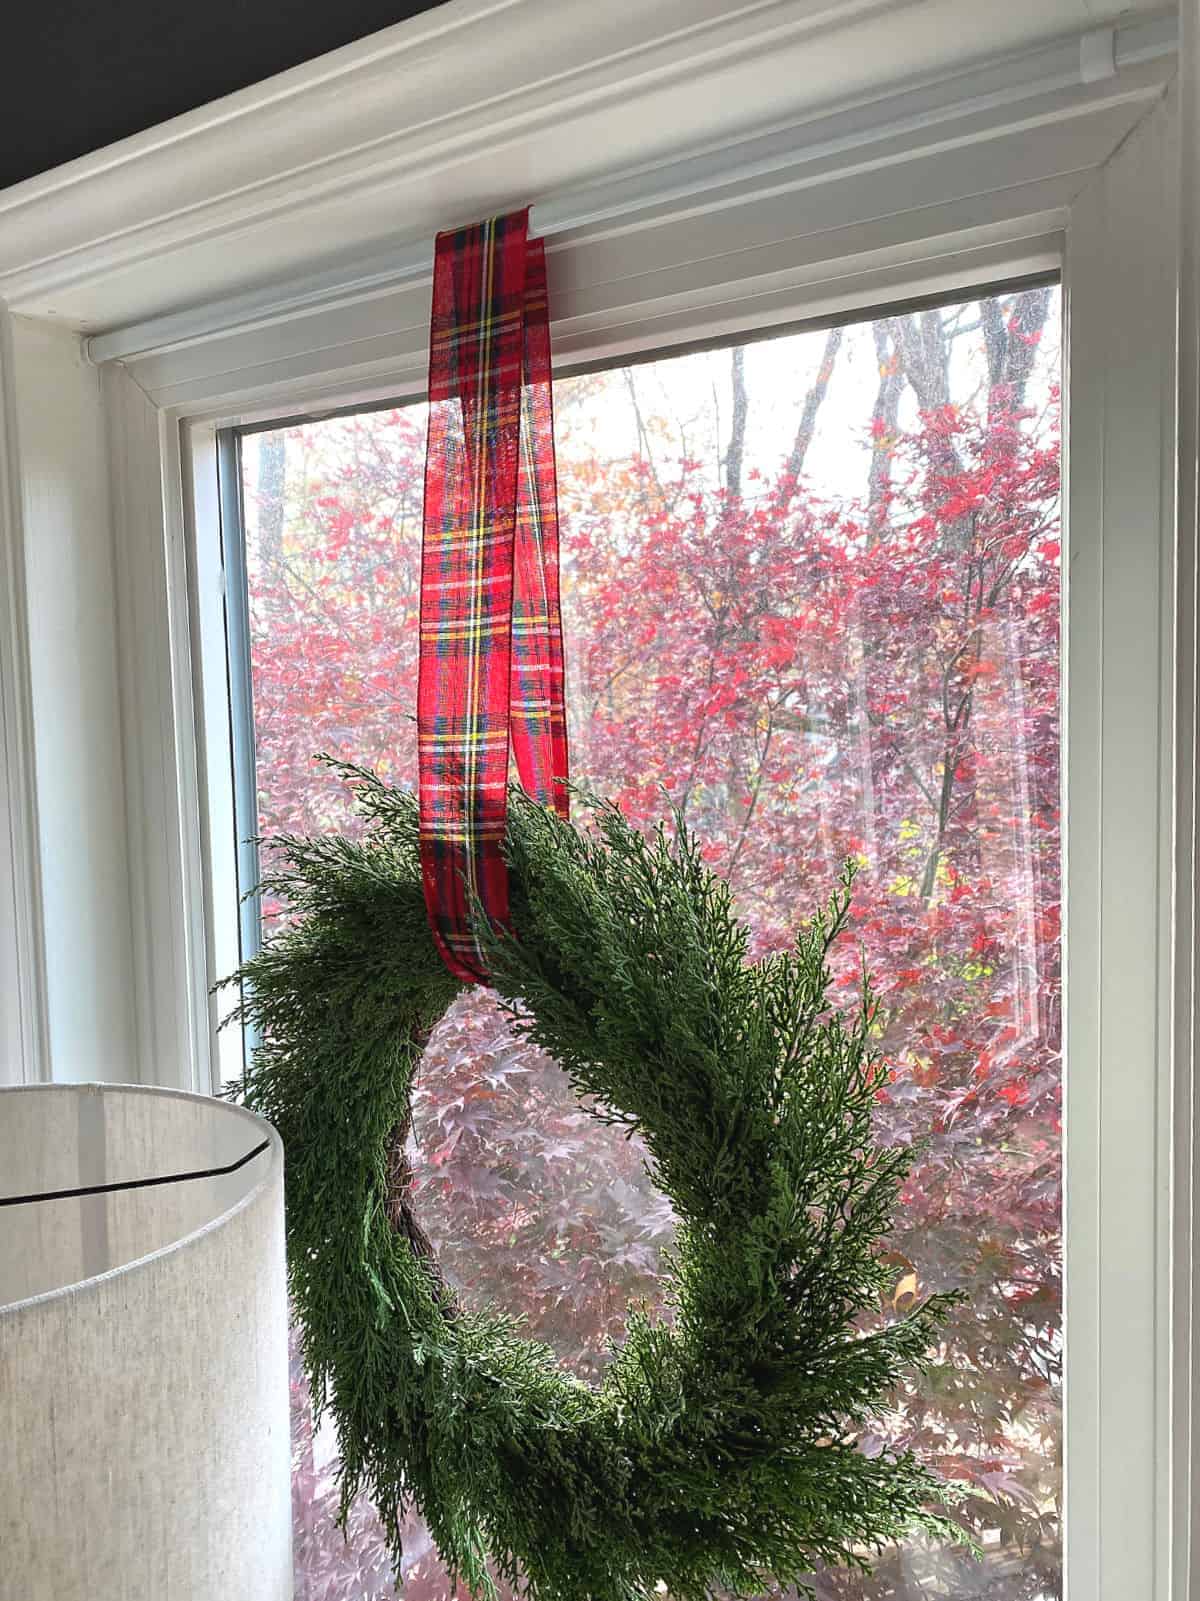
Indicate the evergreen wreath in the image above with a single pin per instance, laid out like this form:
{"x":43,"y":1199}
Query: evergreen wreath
{"x":719,"y":1450}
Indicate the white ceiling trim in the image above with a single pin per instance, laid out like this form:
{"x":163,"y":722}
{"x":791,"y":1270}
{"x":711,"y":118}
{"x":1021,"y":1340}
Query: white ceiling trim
{"x":436,"y":89}
{"x":329,"y":181}
{"x":1076,"y":84}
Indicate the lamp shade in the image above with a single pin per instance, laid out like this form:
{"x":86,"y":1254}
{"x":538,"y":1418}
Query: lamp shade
{"x":144,"y":1451}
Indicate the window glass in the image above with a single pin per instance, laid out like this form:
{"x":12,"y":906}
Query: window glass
{"x":811,"y":590}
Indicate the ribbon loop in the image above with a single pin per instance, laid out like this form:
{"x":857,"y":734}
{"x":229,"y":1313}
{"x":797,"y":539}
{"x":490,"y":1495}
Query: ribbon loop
{"x":491,"y":657}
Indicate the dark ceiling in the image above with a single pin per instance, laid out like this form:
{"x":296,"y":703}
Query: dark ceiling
{"x":74,"y":76}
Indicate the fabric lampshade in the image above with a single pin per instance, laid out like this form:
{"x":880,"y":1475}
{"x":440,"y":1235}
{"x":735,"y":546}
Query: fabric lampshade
{"x":144,"y":1451}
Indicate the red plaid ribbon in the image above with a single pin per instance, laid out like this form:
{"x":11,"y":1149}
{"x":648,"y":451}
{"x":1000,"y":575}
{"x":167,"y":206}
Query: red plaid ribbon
{"x":491,"y":665}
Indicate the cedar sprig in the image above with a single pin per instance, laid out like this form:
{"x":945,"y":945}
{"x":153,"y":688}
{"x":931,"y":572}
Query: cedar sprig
{"x":719,"y":1450}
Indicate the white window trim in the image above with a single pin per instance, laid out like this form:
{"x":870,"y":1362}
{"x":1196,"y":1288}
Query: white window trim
{"x":1182,"y":1343}
{"x":24,"y":1052}
{"x":1080,"y":170}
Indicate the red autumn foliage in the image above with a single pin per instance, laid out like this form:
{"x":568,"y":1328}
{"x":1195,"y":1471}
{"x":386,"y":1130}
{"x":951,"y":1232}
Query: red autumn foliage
{"x":807,"y":675}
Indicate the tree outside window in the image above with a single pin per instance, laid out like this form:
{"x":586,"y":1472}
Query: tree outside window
{"x":812,"y":600}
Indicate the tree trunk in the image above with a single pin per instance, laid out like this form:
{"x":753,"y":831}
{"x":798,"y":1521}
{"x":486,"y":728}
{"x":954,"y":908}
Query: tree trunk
{"x":808,"y":418}
{"x":883,"y":429}
{"x":272,"y":485}
{"x":735,"y":455}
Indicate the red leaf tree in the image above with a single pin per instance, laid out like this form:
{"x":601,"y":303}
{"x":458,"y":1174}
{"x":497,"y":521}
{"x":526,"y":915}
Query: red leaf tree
{"x":808,"y":670}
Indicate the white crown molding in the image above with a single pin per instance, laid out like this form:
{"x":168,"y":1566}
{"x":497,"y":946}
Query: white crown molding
{"x":764,"y":230}
{"x":447,"y":116}
{"x":1052,"y":84}
{"x":438,"y":88}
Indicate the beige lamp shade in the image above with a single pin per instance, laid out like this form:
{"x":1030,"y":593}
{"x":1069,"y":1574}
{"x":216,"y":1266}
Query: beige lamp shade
{"x":144,"y":1450}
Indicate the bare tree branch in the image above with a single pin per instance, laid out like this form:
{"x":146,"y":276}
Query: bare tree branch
{"x":794,"y":465}
{"x":643,"y":436}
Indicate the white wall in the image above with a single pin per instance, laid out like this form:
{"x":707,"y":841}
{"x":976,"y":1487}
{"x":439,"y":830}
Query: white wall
{"x":67,"y":550}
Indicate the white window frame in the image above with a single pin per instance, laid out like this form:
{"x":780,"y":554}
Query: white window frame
{"x":120,"y":892}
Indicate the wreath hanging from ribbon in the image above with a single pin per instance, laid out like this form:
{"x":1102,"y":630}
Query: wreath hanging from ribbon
{"x":718,"y":1452}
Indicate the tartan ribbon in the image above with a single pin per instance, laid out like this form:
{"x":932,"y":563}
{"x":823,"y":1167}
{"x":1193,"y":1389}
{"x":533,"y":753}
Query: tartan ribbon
{"x":491,"y":659}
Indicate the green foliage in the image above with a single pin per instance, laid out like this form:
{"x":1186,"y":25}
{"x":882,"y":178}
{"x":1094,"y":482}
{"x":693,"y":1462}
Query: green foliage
{"x":719,"y":1452}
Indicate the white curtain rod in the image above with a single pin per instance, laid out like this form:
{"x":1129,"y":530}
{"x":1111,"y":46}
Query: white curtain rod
{"x":1096,"y":55}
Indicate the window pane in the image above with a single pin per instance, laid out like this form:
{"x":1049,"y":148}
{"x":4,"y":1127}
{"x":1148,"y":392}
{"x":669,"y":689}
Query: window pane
{"x":811,"y":592}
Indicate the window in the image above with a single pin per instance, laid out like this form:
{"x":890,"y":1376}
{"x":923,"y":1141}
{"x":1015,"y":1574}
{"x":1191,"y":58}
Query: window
{"x":812,"y":596}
